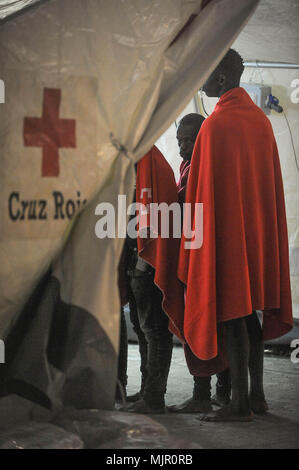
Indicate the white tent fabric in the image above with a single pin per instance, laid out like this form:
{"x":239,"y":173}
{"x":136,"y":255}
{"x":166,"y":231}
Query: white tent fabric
{"x":9,"y":7}
{"x":119,"y":70}
{"x":272,"y":34}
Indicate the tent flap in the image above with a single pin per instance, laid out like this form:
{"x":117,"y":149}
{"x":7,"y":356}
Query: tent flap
{"x":80,"y":76}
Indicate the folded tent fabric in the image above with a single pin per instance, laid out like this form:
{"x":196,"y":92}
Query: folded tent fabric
{"x":243,"y":263}
{"x":84,"y":266}
{"x":155,"y":183}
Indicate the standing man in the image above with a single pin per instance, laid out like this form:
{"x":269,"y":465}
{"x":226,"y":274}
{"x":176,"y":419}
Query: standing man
{"x":243,"y":263}
{"x":188,"y":129}
{"x":126,"y":272}
{"x":159,"y":297}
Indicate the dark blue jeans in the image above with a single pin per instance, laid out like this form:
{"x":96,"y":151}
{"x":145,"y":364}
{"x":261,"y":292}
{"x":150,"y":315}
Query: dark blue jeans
{"x":154,"y":325}
{"x":142,"y":343}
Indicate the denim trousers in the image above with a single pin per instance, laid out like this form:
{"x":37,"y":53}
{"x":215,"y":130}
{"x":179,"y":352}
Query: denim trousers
{"x":154,"y":325}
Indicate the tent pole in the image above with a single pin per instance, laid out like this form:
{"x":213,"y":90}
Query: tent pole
{"x":272,"y":65}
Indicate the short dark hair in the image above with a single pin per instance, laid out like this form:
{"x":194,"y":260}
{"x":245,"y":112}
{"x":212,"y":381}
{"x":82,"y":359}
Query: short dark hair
{"x":193,"y":119}
{"x":232,"y":65}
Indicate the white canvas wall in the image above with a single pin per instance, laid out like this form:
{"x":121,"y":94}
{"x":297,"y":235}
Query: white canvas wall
{"x":280,"y":81}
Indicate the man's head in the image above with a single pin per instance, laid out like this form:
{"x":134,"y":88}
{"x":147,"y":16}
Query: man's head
{"x":188,"y":129}
{"x":226,"y":75}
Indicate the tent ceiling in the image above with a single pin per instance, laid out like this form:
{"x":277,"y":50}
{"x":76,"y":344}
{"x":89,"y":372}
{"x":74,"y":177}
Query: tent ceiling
{"x":272,"y":34}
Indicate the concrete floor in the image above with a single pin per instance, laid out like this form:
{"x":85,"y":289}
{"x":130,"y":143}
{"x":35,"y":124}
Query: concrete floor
{"x":278,"y":429}
{"x":24,"y":425}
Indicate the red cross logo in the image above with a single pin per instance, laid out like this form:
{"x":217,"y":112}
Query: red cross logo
{"x":50,"y":132}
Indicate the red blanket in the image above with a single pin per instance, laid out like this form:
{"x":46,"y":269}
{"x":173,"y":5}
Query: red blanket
{"x":195,"y":365}
{"x":155,"y":183}
{"x":243,"y":263}
{"x":182,"y":183}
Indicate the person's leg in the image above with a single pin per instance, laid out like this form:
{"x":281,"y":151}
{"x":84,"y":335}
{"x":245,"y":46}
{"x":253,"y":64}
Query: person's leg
{"x":122,"y":359}
{"x":238,"y":354}
{"x":142,"y":343}
{"x":237,"y":344}
{"x":160,"y":346}
{"x":154,"y":324}
{"x":202,"y":388}
{"x":200,"y":402}
{"x":256,"y":364}
{"x":223,"y":389}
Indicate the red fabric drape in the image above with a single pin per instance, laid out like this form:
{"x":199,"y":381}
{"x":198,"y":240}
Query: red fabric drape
{"x":155,"y":183}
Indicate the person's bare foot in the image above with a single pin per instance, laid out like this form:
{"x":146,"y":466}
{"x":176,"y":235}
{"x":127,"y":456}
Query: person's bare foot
{"x":144,"y":408}
{"x":258,"y":404}
{"x":191,"y":406}
{"x":220,"y":400}
{"x":226,"y":413}
{"x":133,"y":398}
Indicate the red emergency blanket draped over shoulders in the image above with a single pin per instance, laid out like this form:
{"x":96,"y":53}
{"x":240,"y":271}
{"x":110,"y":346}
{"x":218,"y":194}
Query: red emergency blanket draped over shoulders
{"x":243,"y":263}
{"x":155,"y":183}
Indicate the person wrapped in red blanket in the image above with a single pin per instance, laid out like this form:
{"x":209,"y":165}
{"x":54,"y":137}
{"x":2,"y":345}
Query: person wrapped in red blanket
{"x":243,"y":263}
{"x":158,"y":293}
{"x":187,"y":131}
{"x":201,"y":401}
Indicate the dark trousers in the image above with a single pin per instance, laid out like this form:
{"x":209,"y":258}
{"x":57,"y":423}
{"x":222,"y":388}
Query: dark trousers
{"x":123,"y":345}
{"x":154,"y":325}
{"x":142,"y":342}
{"x":202,"y":386}
{"x":123,"y":351}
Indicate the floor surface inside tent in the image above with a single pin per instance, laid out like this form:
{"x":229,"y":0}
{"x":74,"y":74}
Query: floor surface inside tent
{"x":278,"y":429}
{"x":23,"y":425}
